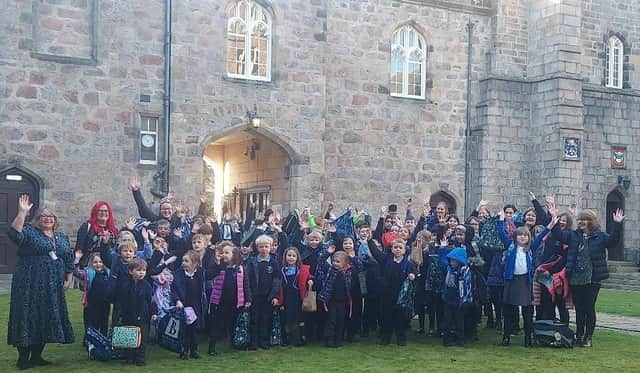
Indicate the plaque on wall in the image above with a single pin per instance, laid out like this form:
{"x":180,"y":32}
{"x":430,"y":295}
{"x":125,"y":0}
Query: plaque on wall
{"x":571,"y":148}
{"x":618,"y":157}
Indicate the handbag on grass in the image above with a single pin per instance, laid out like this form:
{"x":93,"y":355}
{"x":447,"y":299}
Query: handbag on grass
{"x":126,"y":337}
{"x":309,"y":302}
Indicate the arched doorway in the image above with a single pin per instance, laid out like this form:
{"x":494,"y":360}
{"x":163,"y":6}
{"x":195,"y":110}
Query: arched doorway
{"x":615,"y":200}
{"x":247,"y":169}
{"x":445,"y":197}
{"x":14,"y":182}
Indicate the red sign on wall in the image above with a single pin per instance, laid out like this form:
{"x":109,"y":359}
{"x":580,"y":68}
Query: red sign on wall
{"x":618,"y":157}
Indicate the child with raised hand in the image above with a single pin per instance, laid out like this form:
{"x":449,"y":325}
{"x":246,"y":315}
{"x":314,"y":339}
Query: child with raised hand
{"x":354,"y":321}
{"x":310,"y":254}
{"x":457,"y":294}
{"x":336,"y":297}
{"x":98,"y":290}
{"x":418,"y":257}
{"x":231,"y":292}
{"x":436,"y":270}
{"x":161,"y":258}
{"x":133,"y":294}
{"x":263,"y":272}
{"x":188,"y":293}
{"x":518,"y":279}
{"x":295,"y":284}
{"x":396,"y":268}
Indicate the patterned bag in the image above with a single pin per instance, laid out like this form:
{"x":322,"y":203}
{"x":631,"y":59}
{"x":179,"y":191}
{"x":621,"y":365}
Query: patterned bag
{"x":362,"y":281}
{"x":276,"y":329}
{"x":126,"y":337}
{"x":309,"y":302}
{"x":98,"y":345}
{"x":171,"y":330}
{"x":490,"y":242}
{"x":406,"y":298}
{"x":241,"y":332}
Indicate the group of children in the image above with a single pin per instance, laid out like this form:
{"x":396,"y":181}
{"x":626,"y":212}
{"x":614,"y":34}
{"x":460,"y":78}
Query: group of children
{"x":326,"y":283}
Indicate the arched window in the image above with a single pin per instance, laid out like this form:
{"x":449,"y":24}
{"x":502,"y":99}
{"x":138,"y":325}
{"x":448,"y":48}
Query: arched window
{"x":614,"y":63}
{"x":408,"y":63}
{"x":248,"y":41}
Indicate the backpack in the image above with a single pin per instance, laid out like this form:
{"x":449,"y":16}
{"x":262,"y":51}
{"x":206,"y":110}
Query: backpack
{"x":241,"y":332}
{"x":171,"y":330}
{"x":98,"y":345}
{"x":490,"y":242}
{"x":553,"y":333}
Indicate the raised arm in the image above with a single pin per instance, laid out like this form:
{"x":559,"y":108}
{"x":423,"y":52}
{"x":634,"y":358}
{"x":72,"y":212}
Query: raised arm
{"x":614,"y":236}
{"x":502,"y":232}
{"x":143,"y":210}
{"x":24,"y":205}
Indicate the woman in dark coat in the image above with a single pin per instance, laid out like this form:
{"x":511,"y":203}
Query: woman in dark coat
{"x":38,"y":312}
{"x":587,"y":266}
{"x":98,"y":234}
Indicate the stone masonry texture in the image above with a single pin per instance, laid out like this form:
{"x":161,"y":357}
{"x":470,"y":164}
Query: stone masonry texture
{"x":537,"y":76}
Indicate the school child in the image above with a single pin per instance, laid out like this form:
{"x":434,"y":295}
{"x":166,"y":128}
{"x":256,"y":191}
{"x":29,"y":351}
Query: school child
{"x":133,"y":295}
{"x":436,"y":270}
{"x":418,"y":254}
{"x":295,"y":284}
{"x":161,"y":258}
{"x":354,"y":322}
{"x":371,"y":311}
{"x":495,"y":282}
{"x":336,"y":297}
{"x":199,"y":244}
{"x":457,"y":296}
{"x":396,"y":268}
{"x":310,"y":253}
{"x":176,"y":243}
{"x":188,"y":293}
{"x":119,"y":265}
{"x":518,"y":279}
{"x":263,"y":272}
{"x":97,"y":291}
{"x":231,"y":292}
{"x":162,"y":290}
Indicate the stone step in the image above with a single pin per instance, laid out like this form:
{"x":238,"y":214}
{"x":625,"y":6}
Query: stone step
{"x":621,"y":276}
{"x":619,"y":266}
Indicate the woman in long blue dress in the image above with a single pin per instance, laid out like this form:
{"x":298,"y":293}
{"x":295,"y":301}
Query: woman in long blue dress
{"x":38,"y":312}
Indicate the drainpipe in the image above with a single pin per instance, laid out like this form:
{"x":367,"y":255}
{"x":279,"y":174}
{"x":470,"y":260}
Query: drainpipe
{"x":467,"y":132}
{"x":166,"y":98}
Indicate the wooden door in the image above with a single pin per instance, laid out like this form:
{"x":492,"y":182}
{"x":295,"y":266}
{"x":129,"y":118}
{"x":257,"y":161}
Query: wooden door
{"x":13,"y":183}
{"x":615,"y":200}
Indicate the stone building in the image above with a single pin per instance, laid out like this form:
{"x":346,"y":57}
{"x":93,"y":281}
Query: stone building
{"x":360,"y":102}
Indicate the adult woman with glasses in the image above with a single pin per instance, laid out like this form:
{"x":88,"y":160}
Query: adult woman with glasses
{"x":98,"y":234}
{"x":38,"y":312}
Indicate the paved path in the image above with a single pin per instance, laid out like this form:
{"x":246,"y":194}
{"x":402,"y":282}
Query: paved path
{"x":5,"y":284}
{"x":615,"y":323}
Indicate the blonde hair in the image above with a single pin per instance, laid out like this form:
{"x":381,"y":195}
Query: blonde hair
{"x":416,"y":254}
{"x":126,"y":237}
{"x":399,"y":241}
{"x":38,"y":214}
{"x":315,"y":234}
{"x":588,"y":214}
{"x":264,"y":240}
{"x":199,"y":237}
{"x":128,"y":245}
{"x":341,"y":255}
{"x":193,"y":256}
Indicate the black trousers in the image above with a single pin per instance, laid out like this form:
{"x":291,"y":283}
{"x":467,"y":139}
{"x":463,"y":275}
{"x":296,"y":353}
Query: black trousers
{"x":495,"y":294}
{"x":222,"y":322}
{"x":394,"y":320}
{"x":314,"y":322}
{"x":97,"y":316}
{"x":261,"y":319}
{"x":138,"y":355}
{"x":336,"y":320}
{"x":584,"y":300}
{"x":548,"y":307}
{"x":435,"y":307}
{"x":191,"y":334}
{"x":453,"y":325}
{"x":370,"y":313}
{"x":354,"y":323}
{"x":511,"y":319}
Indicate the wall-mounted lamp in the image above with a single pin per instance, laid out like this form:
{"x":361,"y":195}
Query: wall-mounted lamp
{"x":624,"y":181}
{"x":254,"y":119}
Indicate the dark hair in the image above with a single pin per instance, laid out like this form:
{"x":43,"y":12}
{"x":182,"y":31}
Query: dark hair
{"x":206,"y":229}
{"x":137,"y":264}
{"x":509,"y":206}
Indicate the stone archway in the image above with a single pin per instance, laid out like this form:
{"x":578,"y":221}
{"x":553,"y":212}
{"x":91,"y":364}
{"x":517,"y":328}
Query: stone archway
{"x":615,"y":200}
{"x":246,"y":165}
{"x":447,"y":198}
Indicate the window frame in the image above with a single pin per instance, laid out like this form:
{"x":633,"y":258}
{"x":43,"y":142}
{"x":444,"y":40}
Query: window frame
{"x":148,"y":131}
{"x":249,"y":26}
{"x":614,"y":44}
{"x":405,"y":54}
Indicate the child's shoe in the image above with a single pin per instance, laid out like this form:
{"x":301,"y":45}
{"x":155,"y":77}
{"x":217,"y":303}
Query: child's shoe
{"x":506,"y":340}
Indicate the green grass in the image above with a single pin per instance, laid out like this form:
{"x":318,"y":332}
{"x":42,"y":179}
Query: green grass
{"x":619,"y":302}
{"x":610,"y":352}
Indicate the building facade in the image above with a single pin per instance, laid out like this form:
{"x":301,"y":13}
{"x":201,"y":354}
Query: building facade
{"x":360,"y":103}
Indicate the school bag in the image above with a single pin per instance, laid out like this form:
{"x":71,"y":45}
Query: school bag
{"x":98,"y":345}
{"x":406,"y":298}
{"x":126,"y":337}
{"x":553,"y":333}
{"x":241,"y":332}
{"x":490,"y":242}
{"x":276,"y":329}
{"x":171,"y":330}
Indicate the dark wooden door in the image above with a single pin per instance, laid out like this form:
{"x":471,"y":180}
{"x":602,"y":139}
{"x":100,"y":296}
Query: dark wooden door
{"x":615,"y":200}
{"x":13,"y":183}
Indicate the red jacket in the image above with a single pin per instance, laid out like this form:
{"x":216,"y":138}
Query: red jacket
{"x":304,"y":275}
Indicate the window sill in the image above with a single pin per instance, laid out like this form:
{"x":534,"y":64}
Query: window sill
{"x":412,"y":98}
{"x":247,"y":81}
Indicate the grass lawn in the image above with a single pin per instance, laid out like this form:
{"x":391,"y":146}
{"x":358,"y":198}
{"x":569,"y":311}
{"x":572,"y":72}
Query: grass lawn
{"x":611,"y":352}
{"x":619,"y":302}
